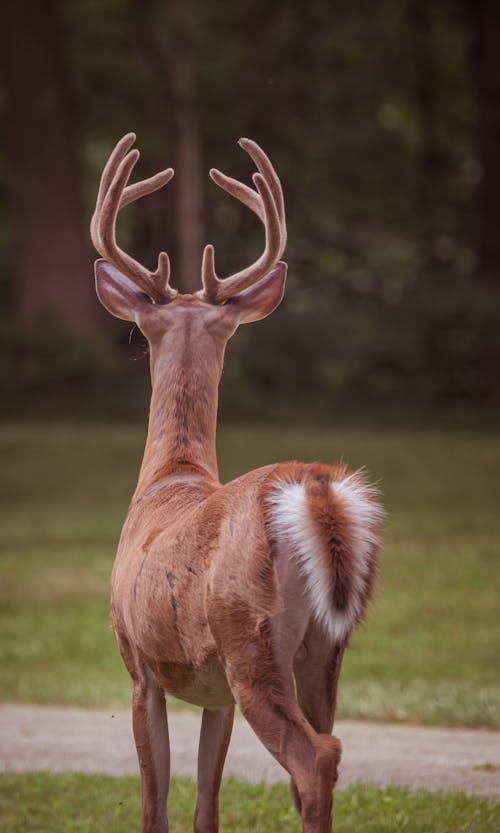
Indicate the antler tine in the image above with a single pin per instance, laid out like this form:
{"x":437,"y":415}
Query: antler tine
{"x":239,"y":190}
{"x":266,"y":168}
{"x":107,"y":176}
{"x":146,"y":186}
{"x":114,"y":194}
{"x":267,"y":203}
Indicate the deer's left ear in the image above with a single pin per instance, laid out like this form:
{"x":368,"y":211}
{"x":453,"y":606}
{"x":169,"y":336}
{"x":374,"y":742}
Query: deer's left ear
{"x":117,"y":294}
{"x":262,"y":298}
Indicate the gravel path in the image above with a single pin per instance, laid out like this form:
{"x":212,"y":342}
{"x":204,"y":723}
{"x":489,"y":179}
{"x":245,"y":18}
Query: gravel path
{"x":56,"y":739}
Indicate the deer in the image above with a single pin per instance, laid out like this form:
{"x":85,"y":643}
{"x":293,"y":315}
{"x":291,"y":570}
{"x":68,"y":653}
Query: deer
{"x":242,"y":593}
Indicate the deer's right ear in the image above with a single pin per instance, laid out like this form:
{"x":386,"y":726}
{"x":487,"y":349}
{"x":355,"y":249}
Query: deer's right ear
{"x":118,"y":294}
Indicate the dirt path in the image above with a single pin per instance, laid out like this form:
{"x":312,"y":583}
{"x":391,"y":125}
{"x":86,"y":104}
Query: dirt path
{"x":56,"y":739}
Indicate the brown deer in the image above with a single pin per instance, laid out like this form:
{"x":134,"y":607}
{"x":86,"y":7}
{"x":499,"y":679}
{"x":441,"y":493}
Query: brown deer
{"x":239,"y":593}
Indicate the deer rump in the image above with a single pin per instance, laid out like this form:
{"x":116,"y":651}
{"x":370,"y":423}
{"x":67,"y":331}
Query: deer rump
{"x":243,"y":574}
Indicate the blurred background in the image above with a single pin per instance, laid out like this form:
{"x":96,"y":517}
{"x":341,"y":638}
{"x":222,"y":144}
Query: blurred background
{"x":383,"y":121}
{"x":384,"y":126}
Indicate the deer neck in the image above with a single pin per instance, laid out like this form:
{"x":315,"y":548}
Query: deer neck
{"x":182,"y":418}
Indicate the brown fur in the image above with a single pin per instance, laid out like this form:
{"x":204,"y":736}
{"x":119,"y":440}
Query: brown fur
{"x":195,"y":594}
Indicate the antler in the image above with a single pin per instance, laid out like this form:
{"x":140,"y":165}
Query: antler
{"x":114,"y":193}
{"x":268,"y":204}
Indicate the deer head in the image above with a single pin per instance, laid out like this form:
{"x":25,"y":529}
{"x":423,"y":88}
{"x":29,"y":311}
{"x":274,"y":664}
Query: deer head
{"x":130,"y":291}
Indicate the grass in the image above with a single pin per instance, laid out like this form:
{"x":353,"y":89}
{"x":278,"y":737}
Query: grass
{"x":429,"y":651}
{"x":75,"y":803}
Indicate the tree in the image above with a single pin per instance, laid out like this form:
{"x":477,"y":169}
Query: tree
{"x":426,"y":111}
{"x":485,"y":19}
{"x":189,"y":146}
{"x":51,"y":257}
{"x":170,"y":62}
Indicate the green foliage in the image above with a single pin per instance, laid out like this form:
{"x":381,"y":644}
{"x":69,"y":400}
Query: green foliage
{"x":39,"y":802}
{"x":363,"y":350}
{"x":384,"y":303}
{"x":351,"y":356}
{"x":429,"y":650}
{"x":46,"y":372}
{"x":34,"y":358}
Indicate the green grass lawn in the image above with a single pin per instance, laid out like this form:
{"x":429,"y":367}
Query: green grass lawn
{"x":70,"y":803}
{"x":430,"y":649}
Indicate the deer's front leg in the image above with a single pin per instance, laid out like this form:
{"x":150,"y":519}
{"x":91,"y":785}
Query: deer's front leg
{"x":216,"y":728}
{"x":153,"y":750}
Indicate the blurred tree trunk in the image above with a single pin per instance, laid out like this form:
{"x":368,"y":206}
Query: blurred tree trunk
{"x":485,"y":65}
{"x":189,"y":214}
{"x":52,"y":260}
{"x":485,"y":20}
{"x":430,"y":156}
{"x":154,"y":215}
{"x":172,"y":91}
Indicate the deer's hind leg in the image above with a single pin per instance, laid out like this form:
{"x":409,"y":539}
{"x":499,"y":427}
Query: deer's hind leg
{"x":150,"y":725}
{"x":215,"y":735}
{"x":260,"y":676}
{"x":317,"y":671}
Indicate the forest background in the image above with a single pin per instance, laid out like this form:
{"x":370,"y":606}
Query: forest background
{"x":383,"y":121}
